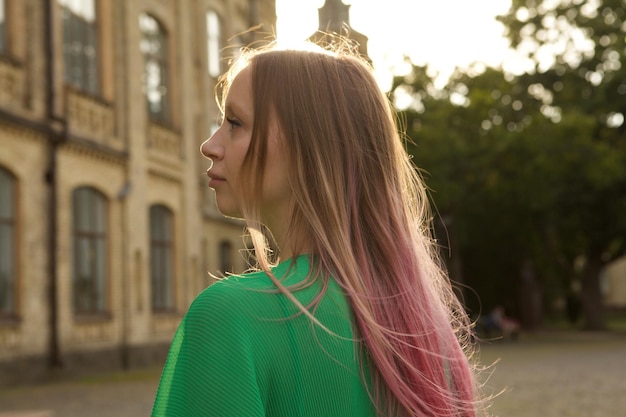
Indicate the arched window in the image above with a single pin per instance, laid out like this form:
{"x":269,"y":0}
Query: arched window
{"x":226,"y":257}
{"x":156,"y":70}
{"x":80,"y":44}
{"x":7,"y":244}
{"x":214,"y":44}
{"x":90,"y":212}
{"x":162,"y":257}
{"x":3,"y":27}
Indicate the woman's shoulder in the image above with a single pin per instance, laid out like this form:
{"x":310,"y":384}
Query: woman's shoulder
{"x":232,"y":292}
{"x":248,"y":280}
{"x":248,"y":292}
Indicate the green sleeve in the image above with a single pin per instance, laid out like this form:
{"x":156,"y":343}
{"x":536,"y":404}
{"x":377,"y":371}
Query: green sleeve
{"x":210,"y":369}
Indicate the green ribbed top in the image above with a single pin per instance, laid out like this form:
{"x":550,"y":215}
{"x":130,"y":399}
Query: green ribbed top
{"x":242,"y":350}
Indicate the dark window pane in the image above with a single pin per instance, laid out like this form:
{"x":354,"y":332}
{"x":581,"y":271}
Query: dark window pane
{"x":7,"y":192}
{"x":7,"y":243}
{"x":80,"y":44}
{"x":3,"y":27}
{"x":7,"y":273}
{"x":90,"y":251}
{"x":161,"y":258}
{"x":153,"y":46}
{"x":226,"y":257}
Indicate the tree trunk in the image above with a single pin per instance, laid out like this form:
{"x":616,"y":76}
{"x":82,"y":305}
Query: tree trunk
{"x":593,"y":305}
{"x":530,"y":297}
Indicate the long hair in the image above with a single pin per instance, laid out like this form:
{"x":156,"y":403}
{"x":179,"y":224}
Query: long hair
{"x":362,"y":209}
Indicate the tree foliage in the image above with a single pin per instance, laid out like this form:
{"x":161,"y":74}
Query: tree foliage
{"x":531,"y":169}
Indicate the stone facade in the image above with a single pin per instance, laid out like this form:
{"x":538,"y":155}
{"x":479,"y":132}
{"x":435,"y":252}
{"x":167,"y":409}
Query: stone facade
{"x":56,"y":137}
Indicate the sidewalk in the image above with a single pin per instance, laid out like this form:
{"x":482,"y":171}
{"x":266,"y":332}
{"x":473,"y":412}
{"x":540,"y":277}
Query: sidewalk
{"x":120,"y":395}
{"x":560,"y":374}
{"x":548,"y":375}
{"x":44,"y":413}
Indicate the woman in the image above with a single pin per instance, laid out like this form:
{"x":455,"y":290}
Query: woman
{"x":357,"y":317}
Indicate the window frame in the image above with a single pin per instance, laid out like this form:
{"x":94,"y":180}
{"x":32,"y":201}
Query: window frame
{"x":161,"y":61}
{"x":4,"y":30}
{"x":90,"y":79}
{"x":90,"y":249}
{"x":162,"y":259}
{"x":214,"y":44}
{"x":226,"y":257}
{"x":10,"y":222}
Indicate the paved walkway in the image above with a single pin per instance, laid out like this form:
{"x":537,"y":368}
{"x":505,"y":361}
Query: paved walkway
{"x":116,"y":395}
{"x":557,"y":375}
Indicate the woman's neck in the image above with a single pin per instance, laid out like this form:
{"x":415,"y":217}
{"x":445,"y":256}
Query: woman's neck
{"x":290,"y":243}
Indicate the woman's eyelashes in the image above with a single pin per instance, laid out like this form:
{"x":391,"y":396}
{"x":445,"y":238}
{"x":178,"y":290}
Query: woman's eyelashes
{"x":233,"y":122}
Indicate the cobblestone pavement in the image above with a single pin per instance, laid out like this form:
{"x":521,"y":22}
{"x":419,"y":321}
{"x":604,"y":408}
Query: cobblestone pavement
{"x":559,"y":375}
{"x":555,"y":375}
{"x":115,"y":395}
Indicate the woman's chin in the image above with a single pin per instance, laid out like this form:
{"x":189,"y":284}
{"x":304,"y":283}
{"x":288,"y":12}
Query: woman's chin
{"x":229,"y":211}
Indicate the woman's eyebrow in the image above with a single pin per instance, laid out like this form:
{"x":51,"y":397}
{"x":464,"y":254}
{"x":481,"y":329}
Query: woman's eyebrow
{"x":234,"y":108}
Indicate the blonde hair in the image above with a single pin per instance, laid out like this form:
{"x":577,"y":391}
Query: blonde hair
{"x":361,"y":207}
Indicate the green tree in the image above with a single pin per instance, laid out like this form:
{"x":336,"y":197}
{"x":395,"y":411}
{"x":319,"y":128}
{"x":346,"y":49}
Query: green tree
{"x":578,"y":56}
{"x":531,"y":168}
{"x":462,"y":141}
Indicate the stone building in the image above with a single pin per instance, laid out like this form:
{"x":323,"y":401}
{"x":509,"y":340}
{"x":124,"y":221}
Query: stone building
{"x":107,"y":227}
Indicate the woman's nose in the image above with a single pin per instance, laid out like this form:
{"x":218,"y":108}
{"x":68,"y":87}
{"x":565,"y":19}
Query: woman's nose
{"x":211,"y":148}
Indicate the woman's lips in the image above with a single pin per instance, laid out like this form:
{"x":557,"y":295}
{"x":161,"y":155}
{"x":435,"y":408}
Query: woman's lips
{"x":215,"y":179}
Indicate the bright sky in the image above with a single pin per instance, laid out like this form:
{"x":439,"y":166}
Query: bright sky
{"x":442,"y":33}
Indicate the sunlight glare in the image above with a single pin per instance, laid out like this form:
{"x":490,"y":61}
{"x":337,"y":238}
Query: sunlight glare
{"x":444,"y":34}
